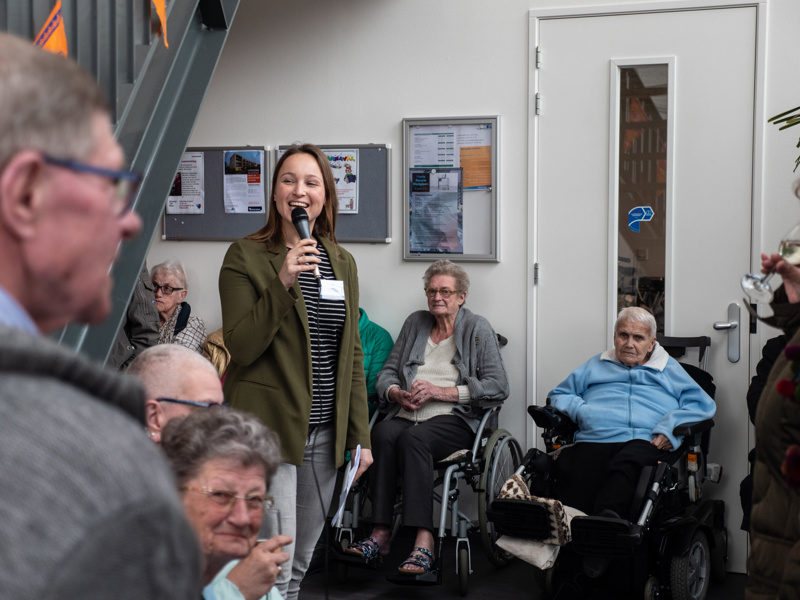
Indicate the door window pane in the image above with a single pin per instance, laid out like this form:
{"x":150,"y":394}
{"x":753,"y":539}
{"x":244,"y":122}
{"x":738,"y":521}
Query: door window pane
{"x":642,"y":188}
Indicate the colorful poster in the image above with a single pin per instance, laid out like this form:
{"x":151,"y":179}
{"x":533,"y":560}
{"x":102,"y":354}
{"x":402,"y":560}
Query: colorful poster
{"x":187,"y":195}
{"x":344,"y":164}
{"x":243,"y":181}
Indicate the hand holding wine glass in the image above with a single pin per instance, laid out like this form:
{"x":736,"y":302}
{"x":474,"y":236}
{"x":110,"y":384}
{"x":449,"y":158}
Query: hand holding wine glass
{"x":757,"y":287}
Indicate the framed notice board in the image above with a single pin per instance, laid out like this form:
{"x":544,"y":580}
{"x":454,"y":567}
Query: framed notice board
{"x":363,"y":185}
{"x":218,"y":194}
{"x":450,"y":169}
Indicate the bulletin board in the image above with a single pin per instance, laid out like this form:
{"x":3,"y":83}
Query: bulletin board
{"x":450,"y":172}
{"x":215,"y":224}
{"x":363,"y":185}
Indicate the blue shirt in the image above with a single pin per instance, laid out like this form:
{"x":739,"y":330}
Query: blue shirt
{"x":613,"y":403}
{"x":13,"y":315}
{"x":222,"y":588}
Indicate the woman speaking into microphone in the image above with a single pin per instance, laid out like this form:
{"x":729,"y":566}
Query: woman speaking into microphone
{"x":296,"y":358}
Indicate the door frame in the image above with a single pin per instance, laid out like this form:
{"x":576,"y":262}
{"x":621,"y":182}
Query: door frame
{"x":536,"y":16}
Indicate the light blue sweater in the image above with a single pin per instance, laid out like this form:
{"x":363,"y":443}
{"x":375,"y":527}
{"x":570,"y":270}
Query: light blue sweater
{"x":614,"y":403}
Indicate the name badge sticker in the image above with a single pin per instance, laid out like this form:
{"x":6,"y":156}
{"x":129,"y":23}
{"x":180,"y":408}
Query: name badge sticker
{"x":331,"y":289}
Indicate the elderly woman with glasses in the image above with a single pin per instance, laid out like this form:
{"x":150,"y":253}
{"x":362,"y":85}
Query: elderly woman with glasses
{"x":223,"y":460}
{"x":444,"y":367}
{"x":177,"y":325}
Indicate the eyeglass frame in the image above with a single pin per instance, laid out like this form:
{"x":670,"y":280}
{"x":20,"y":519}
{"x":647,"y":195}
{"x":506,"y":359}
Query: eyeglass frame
{"x":265,"y":504}
{"x":157,"y":287}
{"x":443,"y":292}
{"x":132,"y":179}
{"x":197,"y":403}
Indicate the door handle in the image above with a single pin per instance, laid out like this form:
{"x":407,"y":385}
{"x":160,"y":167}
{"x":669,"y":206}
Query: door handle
{"x":732,"y":327}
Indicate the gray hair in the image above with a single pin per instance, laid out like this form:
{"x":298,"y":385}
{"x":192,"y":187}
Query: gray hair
{"x":47,"y":102}
{"x":636,"y":314}
{"x":164,"y":369}
{"x":446,"y":267}
{"x":172,"y":268}
{"x":218,"y":433}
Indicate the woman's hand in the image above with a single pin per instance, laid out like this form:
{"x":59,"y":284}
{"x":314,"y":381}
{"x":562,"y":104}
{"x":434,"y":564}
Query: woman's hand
{"x":258,"y":571}
{"x":662,"y":442}
{"x":401,"y":397}
{"x":423,"y":391}
{"x":787,"y":271}
{"x":297,"y":261}
{"x":364,"y":462}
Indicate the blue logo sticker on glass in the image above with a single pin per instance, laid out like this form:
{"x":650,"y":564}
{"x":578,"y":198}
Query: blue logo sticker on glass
{"x":637,"y":215}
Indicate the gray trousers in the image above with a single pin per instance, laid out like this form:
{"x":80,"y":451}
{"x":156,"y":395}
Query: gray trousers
{"x":303,"y":495}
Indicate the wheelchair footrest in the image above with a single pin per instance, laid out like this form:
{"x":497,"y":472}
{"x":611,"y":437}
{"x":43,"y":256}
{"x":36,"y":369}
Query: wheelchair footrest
{"x":605,"y":536}
{"x":521,"y":519}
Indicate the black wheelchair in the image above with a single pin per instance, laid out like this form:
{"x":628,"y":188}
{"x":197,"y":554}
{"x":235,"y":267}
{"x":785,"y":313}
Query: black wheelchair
{"x":677,"y":542}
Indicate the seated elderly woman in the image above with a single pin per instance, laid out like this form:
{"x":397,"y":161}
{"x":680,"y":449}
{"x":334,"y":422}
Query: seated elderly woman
{"x":626,"y":403}
{"x":177,"y":326}
{"x":223,"y":460}
{"x":444,"y":367}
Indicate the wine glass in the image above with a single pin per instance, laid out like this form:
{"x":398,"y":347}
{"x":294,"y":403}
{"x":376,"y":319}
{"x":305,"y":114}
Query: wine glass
{"x":270,"y":522}
{"x":757,"y":286}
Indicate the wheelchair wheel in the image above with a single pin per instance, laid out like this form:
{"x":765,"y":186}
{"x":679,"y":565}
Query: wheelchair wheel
{"x":463,"y":569}
{"x":503,"y":455}
{"x":690,"y":574}
{"x":719,"y":556}
{"x":651,"y":589}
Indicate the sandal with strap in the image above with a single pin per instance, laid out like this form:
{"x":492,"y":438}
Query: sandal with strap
{"x":423,"y":560}
{"x":368,"y":549}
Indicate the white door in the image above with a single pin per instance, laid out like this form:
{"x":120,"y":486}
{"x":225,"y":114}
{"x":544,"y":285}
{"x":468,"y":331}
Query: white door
{"x":707,"y":184}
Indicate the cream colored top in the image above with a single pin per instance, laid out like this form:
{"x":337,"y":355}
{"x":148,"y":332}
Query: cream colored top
{"x":438,"y":370}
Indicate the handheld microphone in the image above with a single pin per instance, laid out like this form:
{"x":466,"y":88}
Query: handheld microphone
{"x":300,"y":222}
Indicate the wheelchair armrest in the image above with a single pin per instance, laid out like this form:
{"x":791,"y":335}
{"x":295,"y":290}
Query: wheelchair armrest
{"x":688,"y":429}
{"x":547,"y":417}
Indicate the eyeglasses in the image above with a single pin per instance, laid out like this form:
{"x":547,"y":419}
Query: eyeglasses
{"x":443,"y":292}
{"x":192,"y":402}
{"x":255,"y":503}
{"x":126,"y":183}
{"x":165,"y":289}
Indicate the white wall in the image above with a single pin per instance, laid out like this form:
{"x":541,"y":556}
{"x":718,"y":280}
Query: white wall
{"x":349,"y":72}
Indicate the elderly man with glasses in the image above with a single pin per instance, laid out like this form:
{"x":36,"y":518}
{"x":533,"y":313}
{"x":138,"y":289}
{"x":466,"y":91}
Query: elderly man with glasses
{"x":85,"y":500}
{"x":177,"y":381}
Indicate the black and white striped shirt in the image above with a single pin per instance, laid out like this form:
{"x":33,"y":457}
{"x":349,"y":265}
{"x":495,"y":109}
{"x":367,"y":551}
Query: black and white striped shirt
{"x":325,"y":325}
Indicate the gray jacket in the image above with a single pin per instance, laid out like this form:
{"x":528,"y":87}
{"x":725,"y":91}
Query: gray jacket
{"x":477,"y":359}
{"x":88,"y":506}
{"x":139,"y":328}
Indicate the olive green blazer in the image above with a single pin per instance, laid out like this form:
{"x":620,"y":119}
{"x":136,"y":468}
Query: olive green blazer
{"x":265,"y":328}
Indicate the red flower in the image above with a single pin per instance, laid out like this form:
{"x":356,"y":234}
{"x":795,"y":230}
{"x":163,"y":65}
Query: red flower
{"x":791,"y":466}
{"x":785,"y":388}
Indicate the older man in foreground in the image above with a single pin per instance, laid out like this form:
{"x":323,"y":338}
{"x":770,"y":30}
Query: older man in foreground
{"x":87,"y":505}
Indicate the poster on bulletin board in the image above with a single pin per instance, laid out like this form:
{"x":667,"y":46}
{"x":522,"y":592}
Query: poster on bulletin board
{"x":463,"y":222}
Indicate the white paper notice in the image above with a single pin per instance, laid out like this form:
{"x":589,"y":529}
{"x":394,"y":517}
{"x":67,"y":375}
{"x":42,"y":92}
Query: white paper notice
{"x":348,"y":483}
{"x":243,"y":181}
{"x":187,"y":195}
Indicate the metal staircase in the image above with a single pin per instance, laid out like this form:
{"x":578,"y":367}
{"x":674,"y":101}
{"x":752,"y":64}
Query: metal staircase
{"x":155,"y":92}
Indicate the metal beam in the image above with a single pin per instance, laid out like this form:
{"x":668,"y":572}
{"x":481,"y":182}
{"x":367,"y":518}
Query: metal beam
{"x":154,"y":129}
